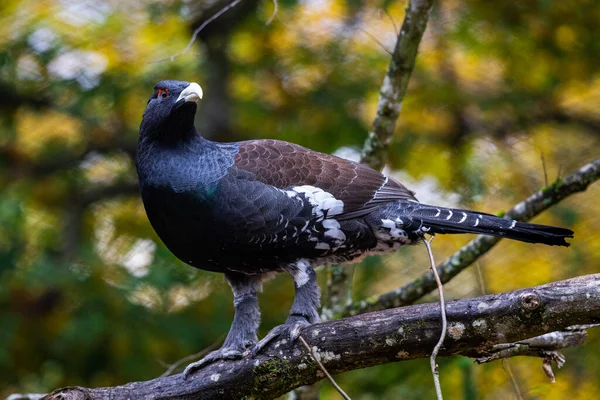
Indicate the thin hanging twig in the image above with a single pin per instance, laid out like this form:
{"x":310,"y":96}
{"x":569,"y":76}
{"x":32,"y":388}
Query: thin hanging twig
{"x":513,"y":380}
{"x":480,"y":280}
{"x":198,"y":30}
{"x":436,"y":349}
{"x":275,"y":9}
{"x":322,"y":367}
{"x":545,"y":172}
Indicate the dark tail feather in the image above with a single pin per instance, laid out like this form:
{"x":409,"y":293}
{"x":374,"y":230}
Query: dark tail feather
{"x":450,"y":220}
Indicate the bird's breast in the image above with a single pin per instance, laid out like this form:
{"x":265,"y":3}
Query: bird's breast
{"x":183,"y":221}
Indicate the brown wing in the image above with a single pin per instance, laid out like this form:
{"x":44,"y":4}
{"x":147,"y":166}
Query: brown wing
{"x":282,"y":164}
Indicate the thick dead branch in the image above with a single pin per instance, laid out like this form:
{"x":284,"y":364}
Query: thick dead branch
{"x":524,"y":211}
{"x":475,"y":327}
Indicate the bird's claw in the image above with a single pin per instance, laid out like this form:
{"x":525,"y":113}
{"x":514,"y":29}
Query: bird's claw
{"x":224,"y":353}
{"x":291,"y":329}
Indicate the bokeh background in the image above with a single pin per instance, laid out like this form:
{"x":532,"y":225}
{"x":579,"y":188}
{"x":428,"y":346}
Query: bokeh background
{"x":88,"y":293}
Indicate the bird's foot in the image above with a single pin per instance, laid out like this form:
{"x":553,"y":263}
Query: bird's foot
{"x":224,"y":353}
{"x":290,"y":329}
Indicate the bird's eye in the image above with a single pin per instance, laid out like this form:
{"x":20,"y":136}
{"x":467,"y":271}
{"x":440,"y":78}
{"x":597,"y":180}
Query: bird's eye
{"x":164,"y":93}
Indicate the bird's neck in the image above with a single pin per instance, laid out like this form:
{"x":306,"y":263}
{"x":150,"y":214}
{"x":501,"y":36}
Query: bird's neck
{"x":195,"y":163}
{"x":179,"y":135}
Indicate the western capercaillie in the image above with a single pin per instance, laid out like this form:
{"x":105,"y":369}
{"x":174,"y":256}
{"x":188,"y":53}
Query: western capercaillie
{"x":254,"y":208}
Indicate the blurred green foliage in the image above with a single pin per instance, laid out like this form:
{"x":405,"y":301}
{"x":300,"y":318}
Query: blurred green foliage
{"x":90,"y":296}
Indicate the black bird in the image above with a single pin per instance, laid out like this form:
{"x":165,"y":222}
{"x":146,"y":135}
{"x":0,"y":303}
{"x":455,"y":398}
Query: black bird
{"x":254,"y":208}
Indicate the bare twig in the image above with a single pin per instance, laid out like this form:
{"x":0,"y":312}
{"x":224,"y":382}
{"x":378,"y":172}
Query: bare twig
{"x":376,"y":41}
{"x":191,"y":357}
{"x":197,"y":31}
{"x":468,"y":254}
{"x":543,"y":346}
{"x":275,"y":9}
{"x":434,"y":367}
{"x":480,"y":279}
{"x":513,"y":380}
{"x":393,"y":22}
{"x":545,"y":171}
{"x":322,"y":367}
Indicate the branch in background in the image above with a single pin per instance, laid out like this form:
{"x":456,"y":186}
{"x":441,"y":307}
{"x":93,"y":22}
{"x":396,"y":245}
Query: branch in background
{"x":525,"y":210}
{"x":395,"y":83}
{"x":476,"y":326}
{"x":374,"y":154}
{"x":338,"y":295}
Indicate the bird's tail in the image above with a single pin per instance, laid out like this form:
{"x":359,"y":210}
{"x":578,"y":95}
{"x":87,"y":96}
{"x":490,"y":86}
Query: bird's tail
{"x":450,"y":220}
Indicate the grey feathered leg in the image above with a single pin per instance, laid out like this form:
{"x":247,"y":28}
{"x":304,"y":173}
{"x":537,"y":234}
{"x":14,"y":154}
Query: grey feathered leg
{"x":304,"y":309}
{"x":242,"y":333}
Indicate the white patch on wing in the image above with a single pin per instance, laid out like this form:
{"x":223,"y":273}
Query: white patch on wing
{"x":463,"y":218}
{"x":513,"y":224}
{"x":388,"y":223}
{"x":323,"y":202}
{"x":333,"y":230}
{"x":449,"y":215}
{"x":394,"y":234}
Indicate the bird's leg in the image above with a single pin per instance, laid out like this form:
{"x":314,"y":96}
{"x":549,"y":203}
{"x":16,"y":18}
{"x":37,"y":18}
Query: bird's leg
{"x":242,"y":333}
{"x":304,"y":309}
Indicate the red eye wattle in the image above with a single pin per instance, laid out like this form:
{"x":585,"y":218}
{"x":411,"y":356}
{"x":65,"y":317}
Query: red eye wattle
{"x":164,"y":93}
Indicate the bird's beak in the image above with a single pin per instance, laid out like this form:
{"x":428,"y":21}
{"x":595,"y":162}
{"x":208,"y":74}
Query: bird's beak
{"x":191,"y":93}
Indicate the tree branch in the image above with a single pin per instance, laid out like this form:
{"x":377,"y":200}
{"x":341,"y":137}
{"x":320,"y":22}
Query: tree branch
{"x":395,"y":83}
{"x":543,"y":346}
{"x":476,"y":326}
{"x":525,"y":210}
{"x":374,"y":154}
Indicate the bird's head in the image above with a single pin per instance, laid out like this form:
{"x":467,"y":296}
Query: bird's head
{"x":170,"y":112}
